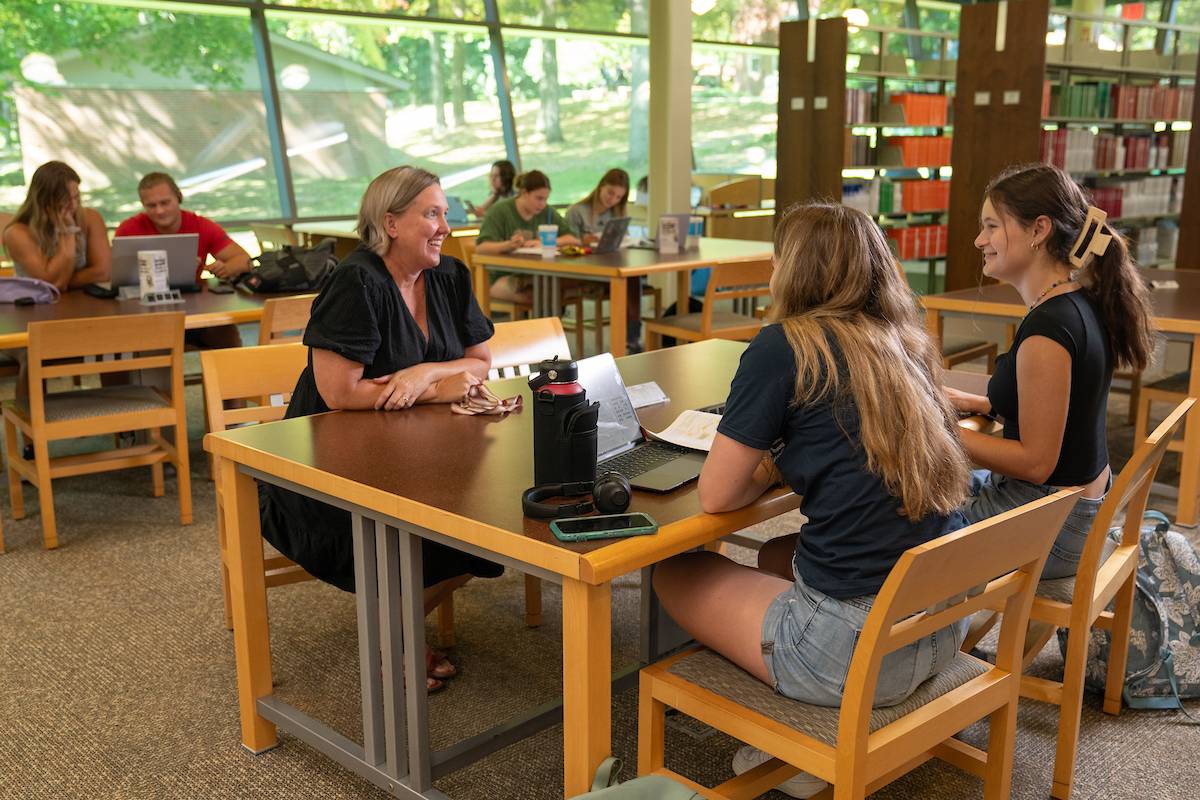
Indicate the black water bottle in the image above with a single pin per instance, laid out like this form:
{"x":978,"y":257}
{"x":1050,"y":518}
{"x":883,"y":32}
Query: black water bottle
{"x":564,"y":427}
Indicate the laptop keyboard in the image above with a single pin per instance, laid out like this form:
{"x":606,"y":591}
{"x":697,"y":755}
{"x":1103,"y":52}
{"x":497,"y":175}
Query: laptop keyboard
{"x":642,"y":459}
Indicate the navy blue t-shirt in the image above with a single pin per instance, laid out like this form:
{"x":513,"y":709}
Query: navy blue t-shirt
{"x":855,"y":532}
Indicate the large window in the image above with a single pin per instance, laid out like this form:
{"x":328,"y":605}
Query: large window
{"x":735,"y":95}
{"x":360,"y":96}
{"x":581,"y":106}
{"x":120,"y":90}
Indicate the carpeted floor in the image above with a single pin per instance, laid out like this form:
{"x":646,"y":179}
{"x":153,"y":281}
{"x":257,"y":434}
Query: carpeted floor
{"x":117,"y":675}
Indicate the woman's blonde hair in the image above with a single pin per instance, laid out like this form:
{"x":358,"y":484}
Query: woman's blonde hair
{"x":837,"y":285}
{"x":392,"y":192}
{"x":48,"y":193}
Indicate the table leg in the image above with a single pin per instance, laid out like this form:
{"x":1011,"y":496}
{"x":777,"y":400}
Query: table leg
{"x":617,"y":291}
{"x":683,"y":288}
{"x":934,"y":324}
{"x":248,"y":598}
{"x":587,"y":681}
{"x":483,"y":294}
{"x":1189,"y":469}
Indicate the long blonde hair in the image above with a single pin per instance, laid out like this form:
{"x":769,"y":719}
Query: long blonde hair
{"x":836,"y":284}
{"x":48,"y":193}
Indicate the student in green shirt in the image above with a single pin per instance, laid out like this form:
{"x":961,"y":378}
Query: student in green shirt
{"x":510,"y":224}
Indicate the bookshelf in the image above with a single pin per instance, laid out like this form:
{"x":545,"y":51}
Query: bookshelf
{"x":1110,"y":100}
{"x":864,"y":117}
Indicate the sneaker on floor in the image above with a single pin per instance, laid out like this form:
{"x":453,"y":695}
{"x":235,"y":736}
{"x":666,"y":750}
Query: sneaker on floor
{"x":800,"y":785}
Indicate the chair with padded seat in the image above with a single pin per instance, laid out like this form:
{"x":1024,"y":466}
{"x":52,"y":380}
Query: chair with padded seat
{"x":1171,"y":389}
{"x":748,"y":279}
{"x":273,"y":237}
{"x":58,"y":349}
{"x":1106,"y":577}
{"x":858,"y":748}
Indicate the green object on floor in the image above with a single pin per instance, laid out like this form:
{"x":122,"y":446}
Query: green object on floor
{"x":649,"y":787}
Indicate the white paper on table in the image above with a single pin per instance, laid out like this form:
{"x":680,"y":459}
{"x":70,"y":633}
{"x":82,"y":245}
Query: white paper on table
{"x":646,"y":394}
{"x":1164,"y":284}
{"x":528,"y":250}
{"x":692,"y":429}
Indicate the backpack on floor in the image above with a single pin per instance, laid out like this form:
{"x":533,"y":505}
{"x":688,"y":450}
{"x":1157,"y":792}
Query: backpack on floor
{"x":647,"y":787}
{"x":1164,"y":638}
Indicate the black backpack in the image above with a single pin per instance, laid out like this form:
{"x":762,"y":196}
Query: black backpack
{"x":292,"y":269}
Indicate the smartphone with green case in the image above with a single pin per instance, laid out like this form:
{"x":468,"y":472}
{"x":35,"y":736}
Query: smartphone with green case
{"x":602,"y":526}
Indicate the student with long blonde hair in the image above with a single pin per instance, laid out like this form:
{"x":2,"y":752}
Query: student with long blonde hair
{"x":843,"y":387}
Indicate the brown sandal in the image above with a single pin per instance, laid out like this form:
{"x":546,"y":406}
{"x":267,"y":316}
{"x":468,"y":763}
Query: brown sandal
{"x":437,"y":666}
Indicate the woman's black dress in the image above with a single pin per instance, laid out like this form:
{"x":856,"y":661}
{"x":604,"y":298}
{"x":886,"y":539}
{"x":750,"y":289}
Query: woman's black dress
{"x":360,"y":316}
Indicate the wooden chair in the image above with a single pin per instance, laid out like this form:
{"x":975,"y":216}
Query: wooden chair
{"x":735,"y":193}
{"x":857,"y":748}
{"x":1171,"y":389}
{"x":1079,"y":603}
{"x":56,"y":350}
{"x":515,"y":347}
{"x":285,"y":318}
{"x":261,"y":379}
{"x":273,"y":237}
{"x":520,"y":344}
{"x":727,"y":282}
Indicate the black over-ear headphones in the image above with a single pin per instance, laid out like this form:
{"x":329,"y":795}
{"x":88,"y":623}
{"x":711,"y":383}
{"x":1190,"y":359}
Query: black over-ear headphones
{"x":611,"y":494}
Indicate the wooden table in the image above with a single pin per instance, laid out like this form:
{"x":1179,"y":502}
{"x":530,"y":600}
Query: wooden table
{"x":615,"y":268}
{"x":1176,"y":311}
{"x":202,"y":309}
{"x":430,"y":473}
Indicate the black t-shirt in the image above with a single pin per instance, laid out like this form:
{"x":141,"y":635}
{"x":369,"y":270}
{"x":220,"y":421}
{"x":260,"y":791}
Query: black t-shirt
{"x":361,"y":316}
{"x":855,"y":532}
{"x":1073,"y":321}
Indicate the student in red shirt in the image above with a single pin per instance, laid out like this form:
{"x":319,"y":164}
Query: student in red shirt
{"x":161,"y":197}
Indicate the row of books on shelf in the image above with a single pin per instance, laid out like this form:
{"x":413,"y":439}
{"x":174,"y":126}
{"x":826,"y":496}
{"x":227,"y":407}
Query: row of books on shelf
{"x":1139,"y":198}
{"x":897,"y":151}
{"x":875,"y":197}
{"x":1153,"y":244}
{"x":903,"y":108}
{"x":919,"y":241}
{"x":1110,"y":100}
{"x":1077,"y":150}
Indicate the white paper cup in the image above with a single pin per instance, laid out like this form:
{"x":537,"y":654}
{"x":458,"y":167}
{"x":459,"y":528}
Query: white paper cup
{"x":152,"y":271}
{"x":548,"y":234}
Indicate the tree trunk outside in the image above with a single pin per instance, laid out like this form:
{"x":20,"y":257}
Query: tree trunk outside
{"x":458,"y":92}
{"x":551,"y":125}
{"x":437,"y":89}
{"x":639,"y":97}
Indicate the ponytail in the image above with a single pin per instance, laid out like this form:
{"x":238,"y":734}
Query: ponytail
{"x":1114,"y":283}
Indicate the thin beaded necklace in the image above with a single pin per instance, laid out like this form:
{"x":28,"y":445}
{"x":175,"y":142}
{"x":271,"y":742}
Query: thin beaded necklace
{"x":1050,"y":288}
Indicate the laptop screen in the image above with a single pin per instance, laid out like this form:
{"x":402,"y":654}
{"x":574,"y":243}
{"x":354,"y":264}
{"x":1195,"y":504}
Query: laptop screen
{"x":618,"y":425}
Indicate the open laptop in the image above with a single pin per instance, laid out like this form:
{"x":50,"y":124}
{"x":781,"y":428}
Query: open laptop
{"x":651,"y":465}
{"x":456,"y":211}
{"x":612,"y":235}
{"x":181,"y":259}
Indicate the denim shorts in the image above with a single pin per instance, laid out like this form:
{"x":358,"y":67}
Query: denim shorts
{"x":808,"y":639}
{"x":993,"y":494}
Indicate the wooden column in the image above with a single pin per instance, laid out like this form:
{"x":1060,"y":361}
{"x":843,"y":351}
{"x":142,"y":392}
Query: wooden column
{"x":1188,"y":256}
{"x":812,"y":111}
{"x":991,"y":130}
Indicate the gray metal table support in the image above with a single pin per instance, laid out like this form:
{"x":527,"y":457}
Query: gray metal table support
{"x":395,"y":755}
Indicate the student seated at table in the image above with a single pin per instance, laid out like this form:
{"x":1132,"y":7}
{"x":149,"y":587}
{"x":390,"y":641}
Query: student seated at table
{"x":824,"y":386}
{"x":52,"y":237}
{"x":161,"y":200}
{"x":396,"y":326}
{"x":588,"y":218}
{"x":501,"y":181}
{"x":513,"y":223}
{"x":1051,"y":387}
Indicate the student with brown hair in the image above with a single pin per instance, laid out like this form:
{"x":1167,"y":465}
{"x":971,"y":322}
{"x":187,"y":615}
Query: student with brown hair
{"x":823,"y":387}
{"x":607,"y":201}
{"x":53,"y":237}
{"x":1088,"y":311}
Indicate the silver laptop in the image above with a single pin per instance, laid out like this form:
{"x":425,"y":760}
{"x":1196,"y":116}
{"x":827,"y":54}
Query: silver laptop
{"x":612,"y":235}
{"x":620,"y":447}
{"x":181,"y":258}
